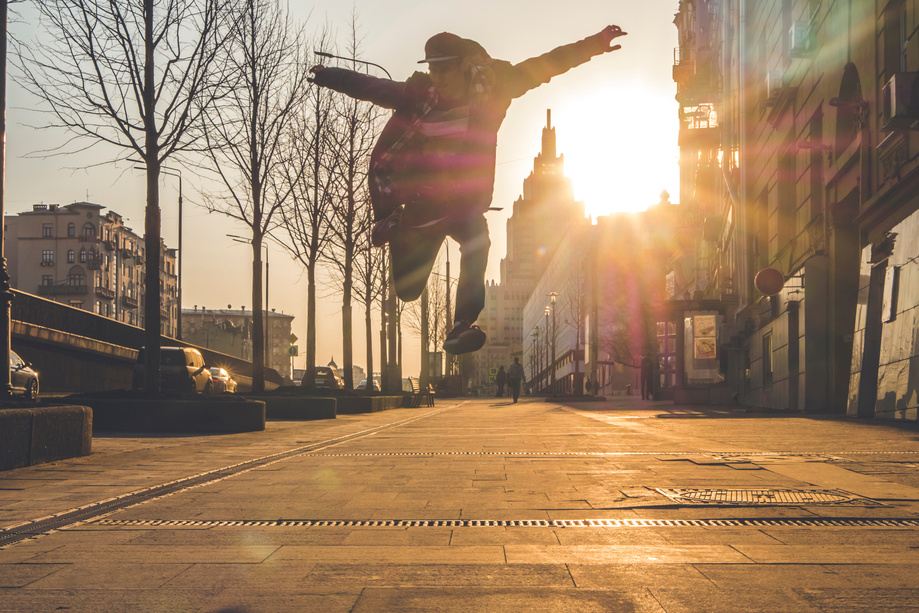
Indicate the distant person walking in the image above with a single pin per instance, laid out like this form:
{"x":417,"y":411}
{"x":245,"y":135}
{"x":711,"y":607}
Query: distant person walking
{"x":501,"y":381}
{"x":515,"y":378}
{"x":432,"y":172}
{"x":647,"y":370}
{"x":587,"y":386}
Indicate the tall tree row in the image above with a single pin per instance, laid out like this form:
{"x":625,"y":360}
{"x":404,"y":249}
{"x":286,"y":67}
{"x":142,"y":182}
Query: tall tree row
{"x":138,"y":75}
{"x":222,"y":85}
{"x":248,"y":136}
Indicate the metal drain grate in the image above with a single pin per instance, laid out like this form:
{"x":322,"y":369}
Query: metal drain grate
{"x":803,"y":522}
{"x":765,"y":497}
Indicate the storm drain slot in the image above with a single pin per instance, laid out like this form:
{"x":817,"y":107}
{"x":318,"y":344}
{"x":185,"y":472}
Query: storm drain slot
{"x":803,"y":522}
{"x":765,"y":497}
{"x":39,"y":527}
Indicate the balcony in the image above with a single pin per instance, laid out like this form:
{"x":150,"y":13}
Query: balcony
{"x":129,"y":302}
{"x":88,"y":238}
{"x":62,"y":290}
{"x":93,"y":263}
{"x":109,"y":245}
{"x":105,"y":293}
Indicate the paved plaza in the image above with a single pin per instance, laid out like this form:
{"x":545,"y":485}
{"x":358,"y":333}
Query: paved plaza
{"x":478,"y":505}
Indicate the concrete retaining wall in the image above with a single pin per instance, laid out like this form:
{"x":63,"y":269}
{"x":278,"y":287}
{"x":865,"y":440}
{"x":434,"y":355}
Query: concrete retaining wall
{"x":37,"y":435}
{"x":176,"y":415}
{"x":367,"y":404}
{"x":298,"y":407}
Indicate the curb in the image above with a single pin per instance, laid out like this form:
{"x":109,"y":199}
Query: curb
{"x":44,"y":434}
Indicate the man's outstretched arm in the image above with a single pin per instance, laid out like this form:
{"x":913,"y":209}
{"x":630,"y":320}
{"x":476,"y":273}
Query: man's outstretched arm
{"x":538,"y":70}
{"x":382,"y":92}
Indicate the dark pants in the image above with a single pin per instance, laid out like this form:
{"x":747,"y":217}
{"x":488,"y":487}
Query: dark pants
{"x":645,"y":386}
{"x":414,"y":250}
{"x":514,"y":384}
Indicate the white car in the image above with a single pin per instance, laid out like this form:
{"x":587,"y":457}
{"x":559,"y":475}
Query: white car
{"x":363,"y":385}
{"x":222,"y":381}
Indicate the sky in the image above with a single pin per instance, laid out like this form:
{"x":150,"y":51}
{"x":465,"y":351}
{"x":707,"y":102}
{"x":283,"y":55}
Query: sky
{"x":616,"y":123}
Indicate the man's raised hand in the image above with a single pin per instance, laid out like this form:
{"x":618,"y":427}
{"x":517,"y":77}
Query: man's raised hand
{"x":609,"y":34}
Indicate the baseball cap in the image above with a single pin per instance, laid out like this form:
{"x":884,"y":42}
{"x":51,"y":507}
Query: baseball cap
{"x":446,"y":46}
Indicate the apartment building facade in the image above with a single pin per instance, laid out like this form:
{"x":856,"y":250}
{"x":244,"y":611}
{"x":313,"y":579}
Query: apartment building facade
{"x":89,"y":259}
{"x":807,"y":176}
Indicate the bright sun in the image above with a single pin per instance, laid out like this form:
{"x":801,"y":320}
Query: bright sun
{"x":620,"y":146}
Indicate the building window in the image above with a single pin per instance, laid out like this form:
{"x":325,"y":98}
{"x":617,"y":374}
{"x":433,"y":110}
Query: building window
{"x":70,"y":256}
{"x":76,"y":279}
{"x":47,"y":280}
{"x":83,"y":256}
{"x":47,"y":256}
{"x":89,"y":229}
{"x":71,"y":229}
{"x":77,"y":304}
{"x":767,"y":359}
{"x":47,"y":230}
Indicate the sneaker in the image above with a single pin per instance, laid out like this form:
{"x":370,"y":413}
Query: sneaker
{"x":458,"y":328}
{"x":383,"y":229}
{"x":464,"y":338}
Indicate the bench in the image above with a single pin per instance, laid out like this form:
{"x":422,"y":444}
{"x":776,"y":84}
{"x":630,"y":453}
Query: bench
{"x":419,"y":395}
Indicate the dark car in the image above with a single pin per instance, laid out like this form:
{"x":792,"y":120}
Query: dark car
{"x":322,"y":377}
{"x":23,"y":379}
{"x":182,"y":369}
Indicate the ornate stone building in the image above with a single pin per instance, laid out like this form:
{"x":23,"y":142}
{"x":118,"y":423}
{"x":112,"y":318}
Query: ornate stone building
{"x":79,"y":256}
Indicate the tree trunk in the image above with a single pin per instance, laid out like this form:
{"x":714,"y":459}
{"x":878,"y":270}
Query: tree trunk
{"x":151,"y":215}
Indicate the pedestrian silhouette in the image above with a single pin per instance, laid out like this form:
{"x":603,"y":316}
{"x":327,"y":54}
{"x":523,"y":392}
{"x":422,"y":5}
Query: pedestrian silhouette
{"x":647,"y":368}
{"x":501,"y":380}
{"x":515,"y":378}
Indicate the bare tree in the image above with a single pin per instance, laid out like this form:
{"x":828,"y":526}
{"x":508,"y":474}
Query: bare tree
{"x":308,"y":172}
{"x":354,"y":132}
{"x":138,"y":75}
{"x":437,"y":307}
{"x":247,"y":137}
{"x":369,"y":267}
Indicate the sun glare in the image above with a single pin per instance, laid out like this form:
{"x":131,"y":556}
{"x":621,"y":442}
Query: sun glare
{"x":620,"y":146}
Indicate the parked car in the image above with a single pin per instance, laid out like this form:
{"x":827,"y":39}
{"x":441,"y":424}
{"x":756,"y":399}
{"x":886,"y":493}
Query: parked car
{"x":222,"y":381}
{"x":182,"y":369}
{"x":23,"y":379}
{"x":363,"y":385}
{"x":322,"y":377}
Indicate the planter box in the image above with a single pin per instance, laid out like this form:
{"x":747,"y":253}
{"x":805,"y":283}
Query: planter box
{"x":175,"y":415}
{"x":30,"y":436}
{"x":298,"y":407}
{"x":349,"y":405}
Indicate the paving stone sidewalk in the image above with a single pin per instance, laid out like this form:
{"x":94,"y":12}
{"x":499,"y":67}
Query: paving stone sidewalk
{"x":480,"y":505}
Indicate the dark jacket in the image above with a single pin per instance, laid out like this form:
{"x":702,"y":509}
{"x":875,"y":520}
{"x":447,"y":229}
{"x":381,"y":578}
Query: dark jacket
{"x":515,"y":371}
{"x":473,"y":183}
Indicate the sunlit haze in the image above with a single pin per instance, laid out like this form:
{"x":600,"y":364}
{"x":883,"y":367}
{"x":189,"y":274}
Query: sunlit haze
{"x":615,"y":119}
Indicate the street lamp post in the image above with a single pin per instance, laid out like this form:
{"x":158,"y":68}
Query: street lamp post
{"x":534,"y":356}
{"x":548,"y":365}
{"x":552,"y":298}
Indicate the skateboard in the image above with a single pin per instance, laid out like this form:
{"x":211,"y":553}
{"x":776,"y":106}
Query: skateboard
{"x":471,"y":340}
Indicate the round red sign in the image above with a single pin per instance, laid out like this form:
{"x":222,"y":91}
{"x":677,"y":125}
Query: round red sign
{"x":769,"y":281}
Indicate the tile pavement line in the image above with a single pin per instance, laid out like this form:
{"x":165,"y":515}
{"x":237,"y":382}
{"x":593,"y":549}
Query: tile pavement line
{"x":44,"y":525}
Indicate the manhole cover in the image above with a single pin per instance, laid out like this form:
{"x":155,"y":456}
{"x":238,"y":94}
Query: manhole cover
{"x":768,"y":497}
